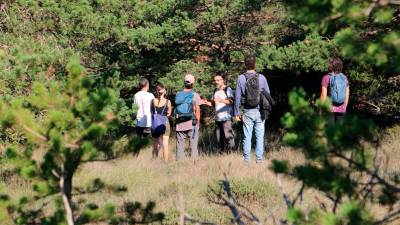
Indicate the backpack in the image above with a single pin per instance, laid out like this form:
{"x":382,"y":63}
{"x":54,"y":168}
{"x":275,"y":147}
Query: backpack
{"x":226,"y":93}
{"x":158,"y":121}
{"x":252,"y":95}
{"x":184,"y":106}
{"x":266,"y":103}
{"x":337,"y":88}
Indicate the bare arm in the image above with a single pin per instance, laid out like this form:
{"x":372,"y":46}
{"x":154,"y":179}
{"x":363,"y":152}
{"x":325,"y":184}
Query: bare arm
{"x":324,"y":93}
{"x":169,"y":106}
{"x":347,"y":95}
{"x":197,"y":112}
{"x":207,"y":103}
{"x":228,"y":101}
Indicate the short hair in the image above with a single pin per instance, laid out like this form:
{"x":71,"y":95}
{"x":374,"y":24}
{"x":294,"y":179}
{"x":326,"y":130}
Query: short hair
{"x":221,"y":74}
{"x":250,"y":62}
{"x":335,"y":65}
{"x":143,"y":83}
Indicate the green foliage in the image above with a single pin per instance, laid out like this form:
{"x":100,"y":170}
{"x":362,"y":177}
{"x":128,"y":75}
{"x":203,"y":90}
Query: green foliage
{"x":252,"y":190}
{"x":366,"y":35}
{"x":336,"y":163}
{"x":174,"y":79}
{"x":63,"y":108}
{"x":135,"y":38}
{"x":310,"y":54}
{"x":247,"y":190}
{"x":136,"y":213}
{"x":366,"y":32}
{"x":93,"y":213}
{"x":279,"y":166}
{"x":64,"y":123}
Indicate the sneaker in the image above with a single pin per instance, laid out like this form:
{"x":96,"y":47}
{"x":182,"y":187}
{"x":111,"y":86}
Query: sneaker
{"x":259,"y":161}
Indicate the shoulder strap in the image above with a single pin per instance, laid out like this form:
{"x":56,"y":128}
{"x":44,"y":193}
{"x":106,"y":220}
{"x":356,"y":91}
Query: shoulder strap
{"x":246,"y":75}
{"x":215,"y":90}
{"x":192,"y":92}
{"x":153,"y":106}
{"x":226,"y":91}
{"x":165,"y":106}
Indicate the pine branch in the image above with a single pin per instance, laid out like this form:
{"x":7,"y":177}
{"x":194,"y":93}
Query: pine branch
{"x":30,"y":130}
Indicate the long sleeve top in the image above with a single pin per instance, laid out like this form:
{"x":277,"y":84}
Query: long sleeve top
{"x":241,"y":89}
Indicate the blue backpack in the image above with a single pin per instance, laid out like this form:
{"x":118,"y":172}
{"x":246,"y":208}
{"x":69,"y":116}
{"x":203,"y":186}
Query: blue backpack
{"x":337,"y":88}
{"x":158,"y":122}
{"x":184,"y":106}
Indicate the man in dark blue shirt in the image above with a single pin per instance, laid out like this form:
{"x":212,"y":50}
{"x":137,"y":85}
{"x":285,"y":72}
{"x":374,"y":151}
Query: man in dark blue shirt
{"x":251,"y":115}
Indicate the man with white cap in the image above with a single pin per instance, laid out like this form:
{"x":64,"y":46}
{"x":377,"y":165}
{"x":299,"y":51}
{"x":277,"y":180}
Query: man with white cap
{"x":187,"y":114}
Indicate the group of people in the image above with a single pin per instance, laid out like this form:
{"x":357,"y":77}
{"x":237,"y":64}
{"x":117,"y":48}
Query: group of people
{"x":252,"y":94}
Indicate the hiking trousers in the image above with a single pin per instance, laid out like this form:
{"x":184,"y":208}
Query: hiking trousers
{"x":225,"y":136}
{"x":193,"y":136}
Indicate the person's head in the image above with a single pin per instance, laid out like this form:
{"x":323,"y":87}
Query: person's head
{"x":219,"y":79}
{"x":161,"y":91}
{"x":250,"y":62}
{"x":335,"y":65}
{"x":144,"y":84}
{"x":189,"y":81}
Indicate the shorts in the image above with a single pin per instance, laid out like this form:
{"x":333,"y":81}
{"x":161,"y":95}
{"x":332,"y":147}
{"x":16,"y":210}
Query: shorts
{"x":167,"y":131}
{"x":143,"y":131}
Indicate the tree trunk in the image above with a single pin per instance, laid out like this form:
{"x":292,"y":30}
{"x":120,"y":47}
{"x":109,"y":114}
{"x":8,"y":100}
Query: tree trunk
{"x":66,"y":189}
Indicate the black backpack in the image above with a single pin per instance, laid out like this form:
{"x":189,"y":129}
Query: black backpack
{"x":252,"y":94}
{"x":266,"y":103}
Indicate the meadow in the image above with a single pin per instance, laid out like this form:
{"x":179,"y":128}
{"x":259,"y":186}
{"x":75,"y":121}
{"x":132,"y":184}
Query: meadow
{"x":185,"y":186}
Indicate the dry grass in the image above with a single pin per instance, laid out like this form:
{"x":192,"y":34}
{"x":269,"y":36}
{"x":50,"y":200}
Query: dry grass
{"x":153,"y":180}
{"x":185,"y":184}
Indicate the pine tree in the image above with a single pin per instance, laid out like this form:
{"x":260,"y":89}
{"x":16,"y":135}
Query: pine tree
{"x":62,"y":125}
{"x":338,"y":163}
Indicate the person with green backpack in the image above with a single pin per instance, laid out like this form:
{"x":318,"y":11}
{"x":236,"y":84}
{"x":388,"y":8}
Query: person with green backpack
{"x":336,"y":85}
{"x":187,"y":116}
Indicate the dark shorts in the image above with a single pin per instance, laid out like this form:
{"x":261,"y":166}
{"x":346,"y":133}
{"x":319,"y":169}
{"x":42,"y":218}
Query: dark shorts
{"x":143,"y":131}
{"x":167,"y":131}
{"x":336,"y":117}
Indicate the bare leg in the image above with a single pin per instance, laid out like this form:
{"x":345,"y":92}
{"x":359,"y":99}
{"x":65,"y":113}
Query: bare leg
{"x":165,"y":144}
{"x":156,"y":147}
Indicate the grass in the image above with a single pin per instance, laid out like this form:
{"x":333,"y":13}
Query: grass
{"x":153,"y":180}
{"x":186,"y":184}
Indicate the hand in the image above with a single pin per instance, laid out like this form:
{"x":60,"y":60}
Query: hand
{"x":238,"y":118}
{"x":206,"y":102}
